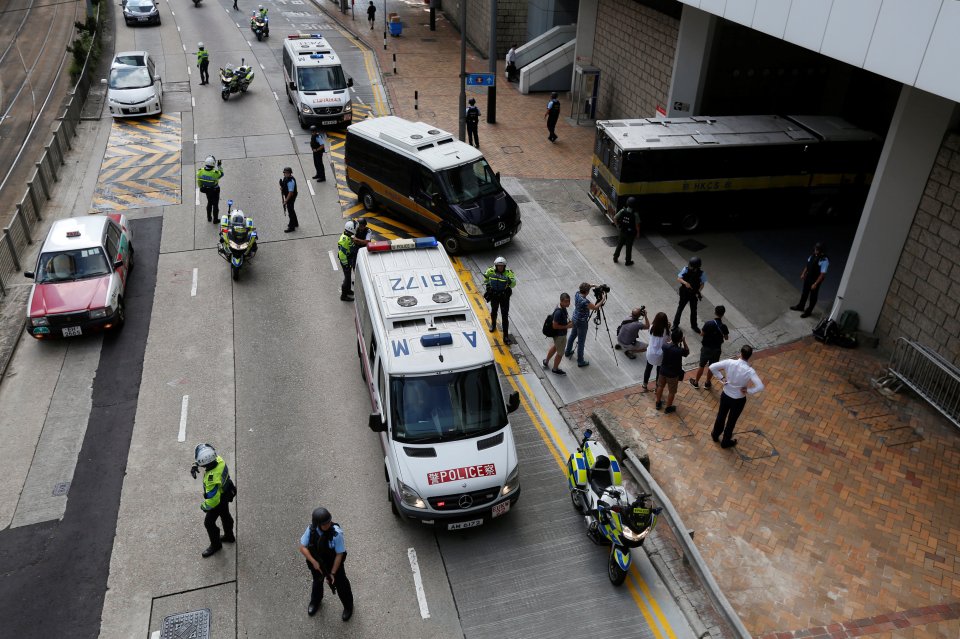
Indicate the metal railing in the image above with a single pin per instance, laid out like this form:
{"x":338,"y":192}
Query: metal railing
{"x":928,"y":374}
{"x":18,"y":235}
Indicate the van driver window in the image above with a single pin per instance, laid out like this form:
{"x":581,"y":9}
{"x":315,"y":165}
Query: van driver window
{"x":426,"y":184}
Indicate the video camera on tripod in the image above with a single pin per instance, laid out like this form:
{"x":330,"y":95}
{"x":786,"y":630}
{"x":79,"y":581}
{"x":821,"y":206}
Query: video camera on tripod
{"x":600,"y":291}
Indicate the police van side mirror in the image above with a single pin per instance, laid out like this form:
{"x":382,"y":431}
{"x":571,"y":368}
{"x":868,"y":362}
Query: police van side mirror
{"x":349,"y":82}
{"x":513,"y":402}
{"x":376,"y":423}
{"x":293,"y":85}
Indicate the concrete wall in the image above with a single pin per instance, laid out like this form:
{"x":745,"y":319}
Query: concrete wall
{"x":634,"y":49}
{"x":511,"y":23}
{"x":923,"y":300}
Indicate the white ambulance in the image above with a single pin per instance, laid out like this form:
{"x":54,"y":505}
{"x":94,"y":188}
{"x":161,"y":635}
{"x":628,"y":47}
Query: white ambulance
{"x":315,"y":82}
{"x":449,"y":454}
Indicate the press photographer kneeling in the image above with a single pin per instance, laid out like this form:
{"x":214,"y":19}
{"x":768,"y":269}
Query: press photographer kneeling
{"x":629,"y":331}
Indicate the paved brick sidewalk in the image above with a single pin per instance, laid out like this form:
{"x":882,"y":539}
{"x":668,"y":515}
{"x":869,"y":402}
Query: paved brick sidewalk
{"x":429,"y":62}
{"x":835,"y":516}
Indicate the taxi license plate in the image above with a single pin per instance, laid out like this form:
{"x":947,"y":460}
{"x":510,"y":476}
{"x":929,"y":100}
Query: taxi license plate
{"x":465,"y":524}
{"x":328,"y":122}
{"x":72,"y":331}
{"x":500,"y":509}
{"x":501,"y":242}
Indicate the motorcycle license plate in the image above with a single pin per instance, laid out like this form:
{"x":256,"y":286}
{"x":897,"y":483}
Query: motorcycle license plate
{"x":465,"y":524}
{"x":72,"y":331}
{"x":500,"y":509}
{"x":329,"y":122}
{"x":501,"y":242}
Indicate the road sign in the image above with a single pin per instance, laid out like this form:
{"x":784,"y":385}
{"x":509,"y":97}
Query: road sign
{"x":480,"y":79}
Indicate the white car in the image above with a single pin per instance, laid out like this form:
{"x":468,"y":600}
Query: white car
{"x":134,"y":89}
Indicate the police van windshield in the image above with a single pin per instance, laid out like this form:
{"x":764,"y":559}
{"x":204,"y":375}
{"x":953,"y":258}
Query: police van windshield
{"x":469,"y":182}
{"x":321,"y":79}
{"x":446,"y":407}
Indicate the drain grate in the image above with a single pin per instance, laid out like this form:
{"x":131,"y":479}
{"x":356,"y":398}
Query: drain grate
{"x":692,"y":245}
{"x":510,"y":150}
{"x":61,"y":488}
{"x":187,"y":625}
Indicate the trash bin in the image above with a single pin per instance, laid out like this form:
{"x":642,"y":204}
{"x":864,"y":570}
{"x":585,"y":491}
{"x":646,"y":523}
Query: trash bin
{"x":396,"y":28}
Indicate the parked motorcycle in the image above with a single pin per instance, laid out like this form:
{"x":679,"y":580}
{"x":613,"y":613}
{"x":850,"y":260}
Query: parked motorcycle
{"x":598,"y":494}
{"x":260,"y":25}
{"x":238,"y":239}
{"x":235,"y":80}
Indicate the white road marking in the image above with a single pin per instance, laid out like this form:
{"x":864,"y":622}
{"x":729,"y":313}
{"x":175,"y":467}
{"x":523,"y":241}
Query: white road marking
{"x":333,"y":261}
{"x":178,"y":28}
{"x":238,"y":25}
{"x":226,"y":12}
{"x":418,"y":583}
{"x":194,"y":138}
{"x":182,"y":435}
{"x":262,"y":68}
{"x":291,"y":132}
{"x":189,"y":71}
{"x":193,"y":287}
{"x":184,"y":47}
{"x":275,"y":96}
{"x":193,"y":102}
{"x":359,"y":99}
{"x":197,"y":201}
{"x":310,"y":186}
{"x":249,"y":44}
{"x":352,"y":90}
{"x":155,"y":634}
{"x":173,"y":14}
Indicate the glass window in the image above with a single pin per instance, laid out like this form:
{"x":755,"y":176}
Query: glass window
{"x":446,"y":407}
{"x":469,"y":182}
{"x":130,"y":78}
{"x":321,"y":79}
{"x":66,"y":266}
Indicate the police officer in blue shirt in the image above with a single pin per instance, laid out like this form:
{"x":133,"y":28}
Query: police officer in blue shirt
{"x":814,"y":271}
{"x":691,"y":278}
{"x":288,"y":192}
{"x":322,"y":546}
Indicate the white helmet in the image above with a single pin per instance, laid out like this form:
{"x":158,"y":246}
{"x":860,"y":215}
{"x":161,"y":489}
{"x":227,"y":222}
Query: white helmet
{"x":200,"y":45}
{"x":204,"y":454}
{"x":210,"y":162}
{"x":350,"y":227}
{"x":500,"y":261}
{"x":260,"y":7}
{"x":237,"y":218}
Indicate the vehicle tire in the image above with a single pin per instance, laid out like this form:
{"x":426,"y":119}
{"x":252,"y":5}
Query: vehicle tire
{"x":259,"y":36}
{"x":121,"y":315}
{"x":616,"y":574}
{"x":368,"y":200}
{"x":575,"y":498}
{"x":243,"y":89}
{"x":289,"y":99}
{"x":451,"y":244}
{"x":225,"y":94}
{"x":690,"y":222}
{"x":236,"y":272}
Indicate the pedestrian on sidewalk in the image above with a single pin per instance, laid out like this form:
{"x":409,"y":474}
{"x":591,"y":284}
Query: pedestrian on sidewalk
{"x":628,"y":333}
{"x":552,"y":115}
{"x":582,"y":306}
{"x":814,"y":271}
{"x":627,"y":220}
{"x":325,"y":551}
{"x":203,"y":63}
{"x":318,"y":147}
{"x":473,"y":119}
{"x":691,"y":278}
{"x":714,"y":333}
{"x":218,"y":491}
{"x":288,"y":193}
{"x":672,"y":369}
{"x":499,"y":282}
{"x":658,"y":337}
{"x":511,"y":63}
{"x":371,"y":14}
{"x":560,"y":323}
{"x":739,"y":380}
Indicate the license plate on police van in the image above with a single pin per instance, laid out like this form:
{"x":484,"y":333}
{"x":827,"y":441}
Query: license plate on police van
{"x":500,"y":509}
{"x":329,"y":122}
{"x":465,"y":524}
{"x":72,"y":331}
{"x":501,"y":242}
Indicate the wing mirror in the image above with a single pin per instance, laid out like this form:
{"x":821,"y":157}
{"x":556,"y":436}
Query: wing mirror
{"x":293,"y":86}
{"x":377,"y":424}
{"x":513,"y":402}
{"x":103,"y":80}
{"x":117,"y":263}
{"x":349,"y":82}
{"x":28,"y":274}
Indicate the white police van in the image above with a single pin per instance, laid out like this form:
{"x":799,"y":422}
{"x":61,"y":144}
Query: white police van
{"x":315,"y":82}
{"x":449,"y":453}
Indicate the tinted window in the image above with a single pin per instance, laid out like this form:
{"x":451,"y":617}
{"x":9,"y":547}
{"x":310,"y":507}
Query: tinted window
{"x":66,"y":266}
{"x":469,"y":182}
{"x":131,"y":60}
{"x":113,"y":242}
{"x":321,"y":79}
{"x":130,"y":78}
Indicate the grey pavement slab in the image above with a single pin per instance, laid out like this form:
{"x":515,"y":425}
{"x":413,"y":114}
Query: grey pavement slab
{"x":268,"y":145}
{"x":220,"y":600}
{"x":45,"y":493}
{"x":231,"y":148}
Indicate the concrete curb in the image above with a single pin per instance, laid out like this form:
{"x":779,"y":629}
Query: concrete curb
{"x":13,"y":318}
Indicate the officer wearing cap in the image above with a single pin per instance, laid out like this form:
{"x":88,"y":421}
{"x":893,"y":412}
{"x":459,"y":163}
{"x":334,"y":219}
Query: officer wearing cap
{"x":691,"y":278}
{"x":317,"y":146}
{"x":473,"y":119}
{"x":499,"y":281}
{"x":627,"y":220}
{"x":288,"y":192}
{"x":359,"y":240}
{"x":323,"y":547}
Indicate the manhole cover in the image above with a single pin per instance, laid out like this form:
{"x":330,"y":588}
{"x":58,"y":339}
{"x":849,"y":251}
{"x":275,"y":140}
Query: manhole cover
{"x":692,"y":245}
{"x":187,"y":625}
{"x":509,"y":150}
{"x":61,"y":488}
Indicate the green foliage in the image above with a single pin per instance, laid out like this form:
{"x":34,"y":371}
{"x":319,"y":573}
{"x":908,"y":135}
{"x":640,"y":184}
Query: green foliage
{"x":87,"y":41}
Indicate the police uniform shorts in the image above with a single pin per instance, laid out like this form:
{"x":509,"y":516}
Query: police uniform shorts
{"x":669,"y":382}
{"x":709,"y":355}
{"x":560,"y":341}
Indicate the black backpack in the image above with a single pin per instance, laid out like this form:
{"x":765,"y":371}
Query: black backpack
{"x":548,"y":330}
{"x":826,"y":331}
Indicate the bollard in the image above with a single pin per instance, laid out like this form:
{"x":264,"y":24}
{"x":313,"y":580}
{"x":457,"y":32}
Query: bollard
{"x":416,"y":100}
{"x":394,"y":64}
{"x":11,"y":247}
{"x":384,"y":37}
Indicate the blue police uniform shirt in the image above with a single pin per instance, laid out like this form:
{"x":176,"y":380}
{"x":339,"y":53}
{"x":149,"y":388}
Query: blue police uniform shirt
{"x":823,"y":263}
{"x":703,"y":276}
{"x":581,"y":311}
{"x":291,"y":185}
{"x":336,"y":543}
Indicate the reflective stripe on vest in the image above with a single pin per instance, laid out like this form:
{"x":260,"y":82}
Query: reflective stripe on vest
{"x":343,"y":248}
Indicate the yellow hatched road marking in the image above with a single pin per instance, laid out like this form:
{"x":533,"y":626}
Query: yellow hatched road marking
{"x":149,"y":185}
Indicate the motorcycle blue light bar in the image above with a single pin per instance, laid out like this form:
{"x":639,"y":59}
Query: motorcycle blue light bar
{"x":399,"y":245}
{"x":437,"y":339}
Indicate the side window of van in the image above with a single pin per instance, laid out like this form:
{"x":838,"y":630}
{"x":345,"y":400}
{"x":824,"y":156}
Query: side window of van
{"x":425,"y":184}
{"x":287,"y":63}
{"x":382,"y":391}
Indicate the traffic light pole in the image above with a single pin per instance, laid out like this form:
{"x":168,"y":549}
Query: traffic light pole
{"x":492,"y":89}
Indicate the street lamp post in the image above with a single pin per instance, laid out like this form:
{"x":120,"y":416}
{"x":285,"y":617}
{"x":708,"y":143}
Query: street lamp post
{"x":463,"y":70}
{"x":492,"y":89}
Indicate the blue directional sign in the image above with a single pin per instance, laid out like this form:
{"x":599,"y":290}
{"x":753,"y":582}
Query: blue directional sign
{"x":480,"y":79}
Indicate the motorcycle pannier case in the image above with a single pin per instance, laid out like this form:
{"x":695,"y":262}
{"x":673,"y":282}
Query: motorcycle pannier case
{"x":577,"y":470}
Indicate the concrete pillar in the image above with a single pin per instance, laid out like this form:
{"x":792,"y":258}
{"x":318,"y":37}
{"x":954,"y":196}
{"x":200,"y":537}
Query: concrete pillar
{"x":586,"y":34}
{"x":690,"y":62}
{"x":913,"y":140}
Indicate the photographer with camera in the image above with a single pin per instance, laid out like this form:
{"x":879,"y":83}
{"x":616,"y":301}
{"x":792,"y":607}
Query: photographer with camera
{"x":582,"y":307}
{"x":629,"y":331}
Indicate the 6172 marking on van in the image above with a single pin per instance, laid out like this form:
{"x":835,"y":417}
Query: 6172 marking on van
{"x":436,"y":281}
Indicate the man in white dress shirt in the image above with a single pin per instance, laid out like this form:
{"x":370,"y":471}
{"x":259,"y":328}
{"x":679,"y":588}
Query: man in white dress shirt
{"x":739,"y":380}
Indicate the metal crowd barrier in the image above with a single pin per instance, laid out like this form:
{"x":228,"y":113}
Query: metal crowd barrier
{"x":18,"y":235}
{"x":929,"y":375}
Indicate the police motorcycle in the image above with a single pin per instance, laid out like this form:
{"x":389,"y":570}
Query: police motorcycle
{"x":238,"y":239}
{"x":260,"y":25}
{"x":598,"y":494}
{"x":235,"y":80}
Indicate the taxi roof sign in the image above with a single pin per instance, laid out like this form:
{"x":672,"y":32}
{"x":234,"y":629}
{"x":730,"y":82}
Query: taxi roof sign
{"x":73,"y":233}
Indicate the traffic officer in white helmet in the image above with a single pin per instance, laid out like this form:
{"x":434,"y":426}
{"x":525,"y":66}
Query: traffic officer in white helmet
{"x":499,"y":281}
{"x":345,"y":247}
{"x":218,"y":492}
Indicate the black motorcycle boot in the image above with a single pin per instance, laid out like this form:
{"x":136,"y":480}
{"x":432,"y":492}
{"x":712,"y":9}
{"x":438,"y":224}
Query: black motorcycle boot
{"x":211,"y":550}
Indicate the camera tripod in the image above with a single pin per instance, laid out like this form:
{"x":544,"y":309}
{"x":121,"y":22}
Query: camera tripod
{"x":600,"y":317}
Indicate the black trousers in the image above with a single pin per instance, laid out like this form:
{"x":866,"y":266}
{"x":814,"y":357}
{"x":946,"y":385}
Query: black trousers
{"x":500,"y":303}
{"x":292,"y":214}
{"x":213,"y":202}
{"x":727,"y":416}
{"x":647,"y":371}
{"x":204,"y":74}
{"x":472,"y":137}
{"x":551,"y":126}
{"x":626,"y":239}
{"x":318,"y":165}
{"x":347,"y":287}
{"x":811,"y":292}
{"x":684,"y":299}
{"x":340,"y":582}
{"x":222,"y":511}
